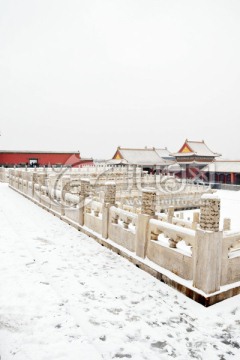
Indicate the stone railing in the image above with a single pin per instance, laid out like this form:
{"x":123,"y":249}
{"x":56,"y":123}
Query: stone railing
{"x":126,"y":178}
{"x":194,"y":250}
{"x":230,"y":257}
{"x":122,"y":228}
{"x":179,"y":220}
{"x":170,"y":246}
{"x":93,"y":215}
{"x":4,"y":176}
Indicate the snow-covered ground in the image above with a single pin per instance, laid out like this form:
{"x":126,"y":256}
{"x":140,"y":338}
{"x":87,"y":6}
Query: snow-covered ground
{"x":230,"y":208}
{"x":64,"y":297}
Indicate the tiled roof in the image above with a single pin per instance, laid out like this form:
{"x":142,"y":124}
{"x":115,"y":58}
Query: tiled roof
{"x":198,"y":148}
{"x":224,"y":166}
{"x":164,"y":153}
{"x":144,"y":157}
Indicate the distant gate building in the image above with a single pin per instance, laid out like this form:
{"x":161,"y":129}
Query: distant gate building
{"x":150,"y":159}
{"x":42,"y":158}
{"x":194,"y":156}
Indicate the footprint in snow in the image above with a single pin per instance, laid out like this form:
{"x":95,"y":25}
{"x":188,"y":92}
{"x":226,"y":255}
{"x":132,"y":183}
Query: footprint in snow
{"x":121,"y":356}
{"x":159,"y":344}
{"x":43,"y":240}
{"x":115,"y":311}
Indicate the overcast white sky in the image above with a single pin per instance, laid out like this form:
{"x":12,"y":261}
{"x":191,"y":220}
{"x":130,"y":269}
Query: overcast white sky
{"x":90,"y":75}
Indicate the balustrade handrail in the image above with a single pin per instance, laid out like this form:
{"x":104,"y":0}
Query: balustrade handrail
{"x":188,"y":235}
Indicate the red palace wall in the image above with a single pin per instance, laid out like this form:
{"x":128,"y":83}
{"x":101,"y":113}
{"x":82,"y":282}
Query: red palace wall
{"x":44,"y":159}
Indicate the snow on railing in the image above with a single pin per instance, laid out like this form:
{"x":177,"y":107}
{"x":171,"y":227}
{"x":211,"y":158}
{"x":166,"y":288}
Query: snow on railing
{"x":173,"y":233}
{"x":167,"y":240}
{"x":93,"y":207}
{"x":123,"y":218}
{"x":231,"y":240}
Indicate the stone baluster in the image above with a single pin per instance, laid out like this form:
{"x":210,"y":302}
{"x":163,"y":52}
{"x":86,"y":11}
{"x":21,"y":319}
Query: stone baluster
{"x":96,"y":212}
{"x":196,"y":218}
{"x":88,"y":209}
{"x":154,"y":234}
{"x":170,"y":214}
{"x":115,"y":219}
{"x":20,"y":180}
{"x":126,"y":223}
{"x":226,"y":224}
{"x":173,"y":242}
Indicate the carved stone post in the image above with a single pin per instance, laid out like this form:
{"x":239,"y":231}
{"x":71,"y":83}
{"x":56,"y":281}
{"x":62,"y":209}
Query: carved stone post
{"x":27,"y":182}
{"x":148,"y":210}
{"x":148,"y":202}
{"x":65,"y":186}
{"x":65,"y":189}
{"x":134,"y":178}
{"x":208,"y":247}
{"x":141,"y":235}
{"x":84,"y":193}
{"x":41,"y":178}
{"x":20,"y":180}
{"x":210,"y":212}
{"x":109,"y":200}
{"x":34,"y":182}
{"x":110,"y":193}
{"x":85,"y":187}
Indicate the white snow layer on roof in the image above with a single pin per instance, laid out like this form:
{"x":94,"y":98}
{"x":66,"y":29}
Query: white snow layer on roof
{"x":142,"y":156}
{"x":223,"y":166}
{"x":200,"y":148}
{"x":163,"y":153}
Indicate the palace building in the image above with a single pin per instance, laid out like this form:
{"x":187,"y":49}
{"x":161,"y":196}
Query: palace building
{"x":42,"y":158}
{"x":195,"y":153}
{"x":149,"y":158}
{"x":224,"y":172}
{"x":194,"y":156}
